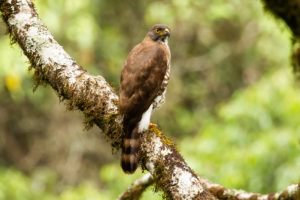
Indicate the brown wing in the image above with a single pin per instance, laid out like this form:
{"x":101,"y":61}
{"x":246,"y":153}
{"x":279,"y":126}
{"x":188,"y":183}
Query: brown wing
{"x":141,"y":78}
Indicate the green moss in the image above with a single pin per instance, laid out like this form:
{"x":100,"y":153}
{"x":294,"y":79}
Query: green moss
{"x":38,"y":80}
{"x":162,"y":178}
{"x":88,"y":122}
{"x":167,"y":141}
{"x":163,"y":138}
{"x":162,"y":175}
{"x":156,"y":131}
{"x":116,"y":102}
{"x":67,"y":87}
{"x":113,"y":130}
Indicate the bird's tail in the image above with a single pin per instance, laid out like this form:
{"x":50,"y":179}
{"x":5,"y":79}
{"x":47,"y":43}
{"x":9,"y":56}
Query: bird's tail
{"x":130,"y":150}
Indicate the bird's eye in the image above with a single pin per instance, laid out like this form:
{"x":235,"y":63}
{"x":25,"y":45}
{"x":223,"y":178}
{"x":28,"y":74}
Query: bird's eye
{"x":157,"y":30}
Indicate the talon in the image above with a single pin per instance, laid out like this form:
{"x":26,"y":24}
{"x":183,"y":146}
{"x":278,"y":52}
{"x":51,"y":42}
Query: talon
{"x":152,"y":125}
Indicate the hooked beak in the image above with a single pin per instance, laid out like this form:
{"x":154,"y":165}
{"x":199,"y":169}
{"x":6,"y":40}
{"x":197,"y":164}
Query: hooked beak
{"x":166,"y":32}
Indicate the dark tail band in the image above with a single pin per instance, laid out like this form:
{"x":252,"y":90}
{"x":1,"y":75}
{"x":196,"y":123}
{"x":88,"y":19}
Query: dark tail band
{"x":130,"y":151}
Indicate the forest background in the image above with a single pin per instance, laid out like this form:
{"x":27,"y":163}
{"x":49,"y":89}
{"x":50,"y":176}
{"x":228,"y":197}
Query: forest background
{"x":232,"y":107}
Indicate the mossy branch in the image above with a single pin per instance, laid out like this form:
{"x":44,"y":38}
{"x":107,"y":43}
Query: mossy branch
{"x":292,"y":192}
{"x":97,"y":100}
{"x":135,"y":191}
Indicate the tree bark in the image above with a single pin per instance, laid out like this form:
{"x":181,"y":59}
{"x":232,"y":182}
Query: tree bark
{"x":292,"y":192}
{"x":135,"y":191}
{"x":98,"y":101}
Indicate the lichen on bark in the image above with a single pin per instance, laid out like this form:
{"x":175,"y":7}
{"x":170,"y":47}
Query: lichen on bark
{"x":93,"y":96}
{"x":99,"y":103}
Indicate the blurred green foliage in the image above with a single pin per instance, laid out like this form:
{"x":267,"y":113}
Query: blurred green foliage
{"x":254,"y":143}
{"x":232,"y":105}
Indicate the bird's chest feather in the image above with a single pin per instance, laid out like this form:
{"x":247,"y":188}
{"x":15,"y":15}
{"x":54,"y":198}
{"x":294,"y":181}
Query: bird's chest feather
{"x":161,"y":95}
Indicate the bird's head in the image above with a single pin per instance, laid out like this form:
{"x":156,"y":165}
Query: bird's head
{"x":159,"y":33}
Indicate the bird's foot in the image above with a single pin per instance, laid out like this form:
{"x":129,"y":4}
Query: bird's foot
{"x":152,"y":125}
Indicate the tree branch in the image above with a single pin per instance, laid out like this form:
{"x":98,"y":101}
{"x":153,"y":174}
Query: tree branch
{"x":292,"y":192}
{"x":135,"y":191}
{"x":97,"y":100}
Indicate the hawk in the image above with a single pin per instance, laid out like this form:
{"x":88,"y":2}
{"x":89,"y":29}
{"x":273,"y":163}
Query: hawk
{"x":144,"y":79}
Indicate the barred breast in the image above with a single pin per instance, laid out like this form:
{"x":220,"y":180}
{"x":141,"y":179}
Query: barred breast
{"x":161,"y":95}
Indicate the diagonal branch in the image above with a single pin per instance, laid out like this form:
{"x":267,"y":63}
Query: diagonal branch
{"x":292,"y":192}
{"x":96,"y":99}
{"x":135,"y":191}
